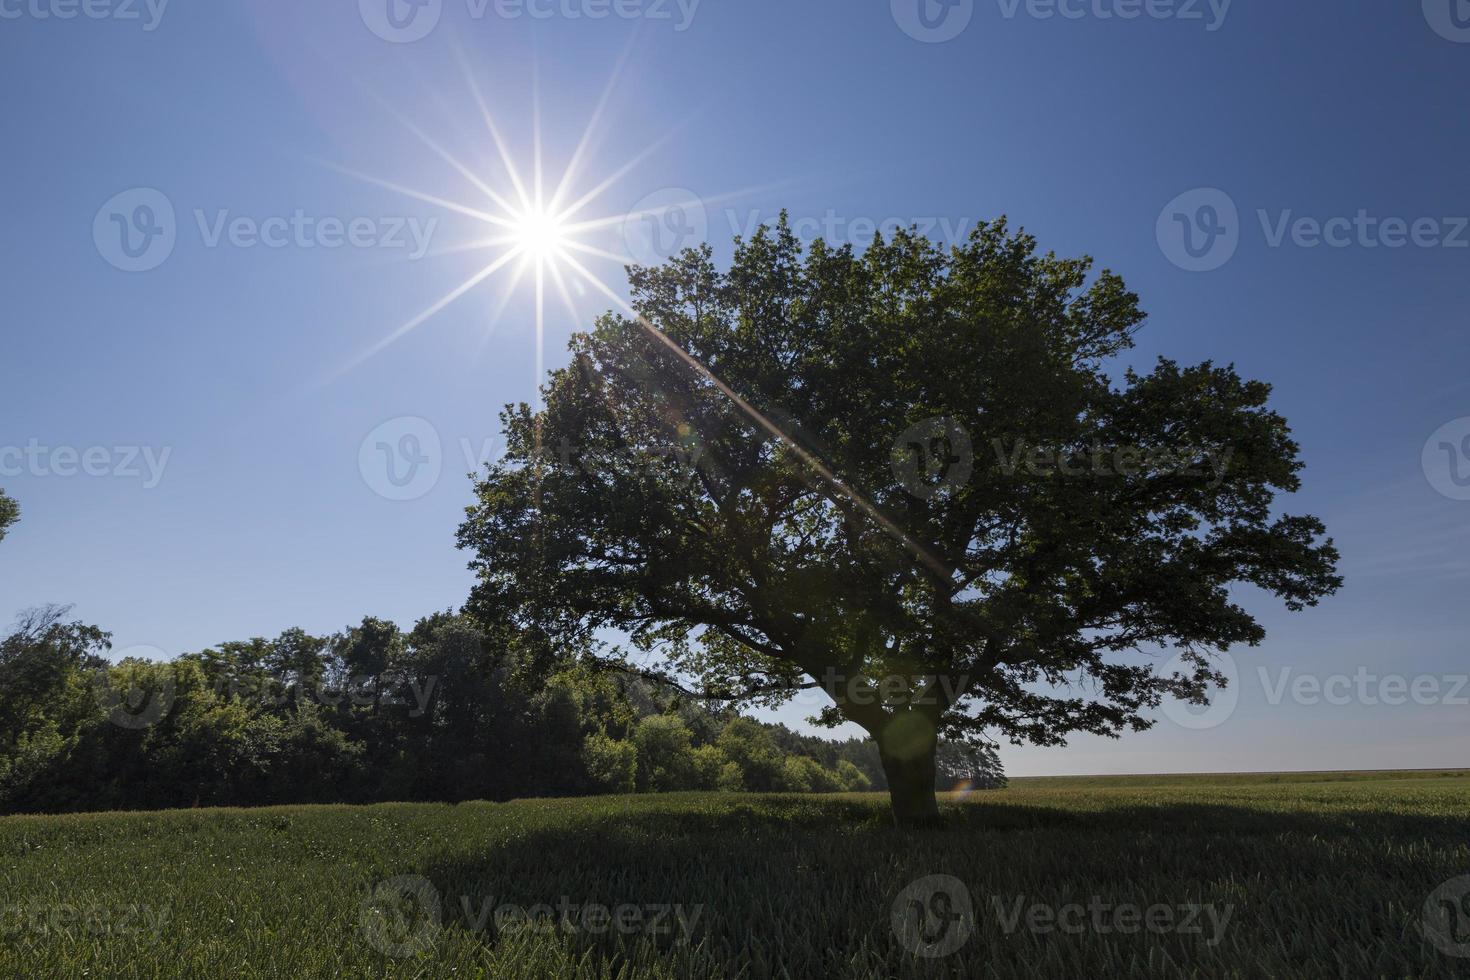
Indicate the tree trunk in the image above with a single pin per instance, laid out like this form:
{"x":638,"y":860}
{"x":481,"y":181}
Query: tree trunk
{"x":911,"y":786}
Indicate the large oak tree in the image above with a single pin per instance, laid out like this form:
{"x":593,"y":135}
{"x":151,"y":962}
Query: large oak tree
{"x":917,"y":478}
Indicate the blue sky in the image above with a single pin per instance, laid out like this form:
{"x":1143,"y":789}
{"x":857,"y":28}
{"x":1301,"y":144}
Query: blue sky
{"x":191,"y":443}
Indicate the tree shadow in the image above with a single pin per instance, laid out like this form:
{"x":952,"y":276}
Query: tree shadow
{"x":809,"y":886}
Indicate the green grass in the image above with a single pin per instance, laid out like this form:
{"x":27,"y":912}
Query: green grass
{"x":1322,"y":875}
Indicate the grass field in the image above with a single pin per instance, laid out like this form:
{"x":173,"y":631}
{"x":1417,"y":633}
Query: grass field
{"x":1310,"y":875}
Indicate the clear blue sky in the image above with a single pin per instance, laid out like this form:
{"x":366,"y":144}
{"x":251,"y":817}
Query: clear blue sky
{"x":230,"y":357}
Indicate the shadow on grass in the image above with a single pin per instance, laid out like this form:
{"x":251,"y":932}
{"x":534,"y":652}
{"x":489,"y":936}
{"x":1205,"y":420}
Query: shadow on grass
{"x":803,"y":886}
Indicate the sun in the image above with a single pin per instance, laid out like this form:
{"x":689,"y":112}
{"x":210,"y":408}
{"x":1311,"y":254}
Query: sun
{"x":540,"y":233}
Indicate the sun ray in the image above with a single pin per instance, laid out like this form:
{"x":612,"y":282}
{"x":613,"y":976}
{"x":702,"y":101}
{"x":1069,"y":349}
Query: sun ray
{"x":751,"y":412}
{"x":500,"y":145}
{"x":427,"y":314}
{"x":570,"y":174}
{"x":447,"y":157}
{"x":420,"y":195}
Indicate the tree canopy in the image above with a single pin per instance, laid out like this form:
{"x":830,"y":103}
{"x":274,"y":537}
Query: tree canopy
{"x":922,"y":479}
{"x":9,"y":513}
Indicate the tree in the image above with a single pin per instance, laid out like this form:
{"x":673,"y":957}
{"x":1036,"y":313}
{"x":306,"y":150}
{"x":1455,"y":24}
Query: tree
{"x":919,"y":479}
{"x":9,"y":513}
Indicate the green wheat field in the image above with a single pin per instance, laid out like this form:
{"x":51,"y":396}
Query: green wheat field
{"x":1307,"y":875}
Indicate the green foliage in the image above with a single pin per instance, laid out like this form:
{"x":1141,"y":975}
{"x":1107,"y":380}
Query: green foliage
{"x":459,"y":711}
{"x":749,"y":477}
{"x":612,"y":766}
{"x":9,"y":513}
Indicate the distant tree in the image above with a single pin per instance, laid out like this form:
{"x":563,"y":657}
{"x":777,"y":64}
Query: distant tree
{"x":821,"y":469}
{"x":9,"y":513}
